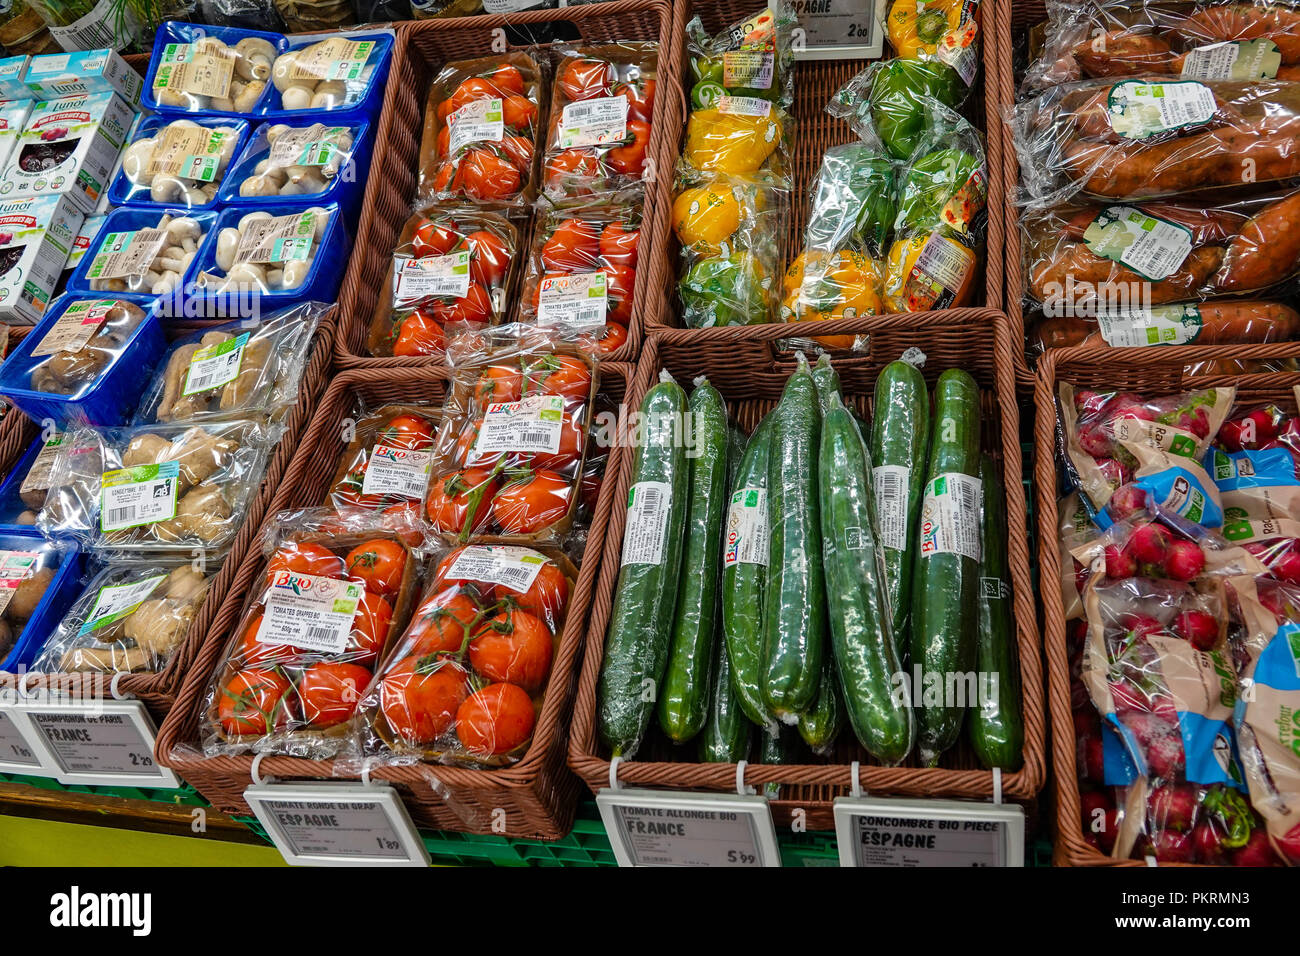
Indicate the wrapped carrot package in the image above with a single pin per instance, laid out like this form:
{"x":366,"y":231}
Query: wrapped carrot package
{"x":602,"y":107}
{"x":582,"y":271}
{"x":387,"y":463}
{"x":739,"y":121}
{"x":1141,"y":139}
{"x":450,"y":275}
{"x":480,"y":141}
{"x":466,"y":681}
{"x":511,"y":443}
{"x":1252,"y":40}
{"x":337,"y":590}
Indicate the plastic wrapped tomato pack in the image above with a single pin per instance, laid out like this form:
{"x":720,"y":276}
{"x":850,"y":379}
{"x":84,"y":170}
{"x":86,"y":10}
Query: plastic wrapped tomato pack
{"x":602,"y":105}
{"x":481,"y":126}
{"x":582,"y":271}
{"x":1251,"y":40}
{"x":387,"y":463}
{"x":512,"y":440}
{"x":1137,"y":139}
{"x":466,"y":681}
{"x":739,"y":124}
{"x":337,"y":589}
{"x":450,"y":275}
{"x":1124,"y":451}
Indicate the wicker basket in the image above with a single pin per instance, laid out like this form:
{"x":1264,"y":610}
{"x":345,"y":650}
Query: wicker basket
{"x":976,"y":340}
{"x":537,"y":795}
{"x":159,"y":690}
{"x":422,"y":48}
{"x":1150,"y":372}
{"x":815,"y":131}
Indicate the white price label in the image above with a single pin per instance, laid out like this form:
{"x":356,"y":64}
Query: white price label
{"x":533,"y":424}
{"x":599,"y":122}
{"x":397,"y":471}
{"x":744,"y":105}
{"x":338,"y":824}
{"x":950,"y":516}
{"x":431,"y":277}
{"x":215,"y":365}
{"x":580,"y":300}
{"x":881,"y":831}
{"x":647,"y":522}
{"x":479,"y":121}
{"x":890,"y":483}
{"x":310,"y":612}
{"x":655,"y":828}
{"x":747,"y":533}
{"x":514,"y":567}
{"x":145,"y":494}
{"x":97,"y":741}
{"x":16,"y":754}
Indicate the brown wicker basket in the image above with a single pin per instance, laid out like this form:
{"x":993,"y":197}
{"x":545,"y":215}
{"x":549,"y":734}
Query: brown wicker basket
{"x":422,"y":48}
{"x":159,"y":690}
{"x":1150,"y":372}
{"x":815,"y":131}
{"x":536,"y":797}
{"x":976,"y":340}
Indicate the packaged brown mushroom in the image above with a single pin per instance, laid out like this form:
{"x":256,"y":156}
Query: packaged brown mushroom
{"x":31,"y":490}
{"x":87,"y":338}
{"x":27,"y":569}
{"x":265,"y":252}
{"x":151,"y":259}
{"x":178,"y":162}
{"x":160,"y":487}
{"x":131,"y":617}
{"x":246,"y":368}
{"x":210,"y":75}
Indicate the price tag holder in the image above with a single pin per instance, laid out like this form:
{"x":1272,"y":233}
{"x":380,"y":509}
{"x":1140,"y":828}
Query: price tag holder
{"x":840,"y":29}
{"x":17,"y":754}
{"x":338,"y":823}
{"x":104,"y":742}
{"x":659,"y":828}
{"x":896,"y":831}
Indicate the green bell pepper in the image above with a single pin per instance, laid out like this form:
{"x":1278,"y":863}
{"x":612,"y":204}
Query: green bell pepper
{"x":724,"y":290}
{"x":927,"y":186}
{"x":897,"y":95}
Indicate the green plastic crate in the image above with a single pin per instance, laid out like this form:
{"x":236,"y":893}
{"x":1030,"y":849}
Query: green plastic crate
{"x":184,"y":795}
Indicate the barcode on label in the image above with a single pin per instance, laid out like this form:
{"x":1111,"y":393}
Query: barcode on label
{"x":943,"y":261}
{"x":120,"y":516}
{"x":532,"y":438}
{"x":200,"y":383}
{"x":319,"y":635}
{"x":516,"y":576}
{"x":647,"y":522}
{"x":890,"y":483}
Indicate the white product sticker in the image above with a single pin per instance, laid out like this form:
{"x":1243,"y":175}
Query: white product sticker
{"x":431,"y":277}
{"x":304,"y":147}
{"x":215,"y":365}
{"x":957,"y":48}
{"x":944,"y":261}
{"x":478,"y":121}
{"x":397,"y":471}
{"x":950,"y":516}
{"x":533,"y":424}
{"x":578,"y":301}
{"x":598,"y":122}
{"x":186,"y":68}
{"x":513,"y":567}
{"x":647,"y":522}
{"x":15,"y":567}
{"x":124,"y":254}
{"x":1158,"y":325}
{"x":74,"y":328}
{"x":1153,"y":248}
{"x":278,"y":239}
{"x":190,"y":152}
{"x":745,"y":105}
{"x":334,"y":59}
{"x":652,"y":828}
{"x":310,"y":612}
{"x":106,"y":26}
{"x":38,"y":476}
{"x":1233,"y":60}
{"x":116,"y":601}
{"x":890,"y":483}
{"x":1137,"y":110}
{"x":747,"y":534}
{"x":145,"y":494}
{"x":752,"y":69}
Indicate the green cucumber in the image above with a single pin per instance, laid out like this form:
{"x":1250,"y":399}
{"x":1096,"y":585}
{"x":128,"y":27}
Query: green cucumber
{"x":827,"y":382}
{"x":725,"y":737}
{"x":744,"y":574}
{"x":684,"y":696}
{"x":819,"y":726}
{"x":640,"y":626}
{"x":794,"y":606}
{"x":945,"y":576}
{"x":996,"y":731}
{"x":862,"y":640}
{"x":900,"y":434}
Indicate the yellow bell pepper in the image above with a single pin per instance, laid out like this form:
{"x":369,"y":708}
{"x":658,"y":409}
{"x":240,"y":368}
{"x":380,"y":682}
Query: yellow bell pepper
{"x":706,"y":218}
{"x":915,"y":27}
{"x":947,"y":285}
{"x":819,"y":288}
{"x":730,"y":143}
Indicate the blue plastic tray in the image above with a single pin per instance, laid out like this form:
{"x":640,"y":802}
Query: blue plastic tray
{"x":123,"y":192}
{"x":11,"y":505}
{"x":368,"y":102}
{"x":63,"y":590}
{"x":176,"y":32}
{"x":128,"y":219}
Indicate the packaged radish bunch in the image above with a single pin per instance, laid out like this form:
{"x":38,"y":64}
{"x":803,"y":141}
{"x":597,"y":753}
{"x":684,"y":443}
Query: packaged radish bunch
{"x":337,"y":589}
{"x":466,"y":681}
{"x":1266,"y":715}
{"x":1126,"y":452}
